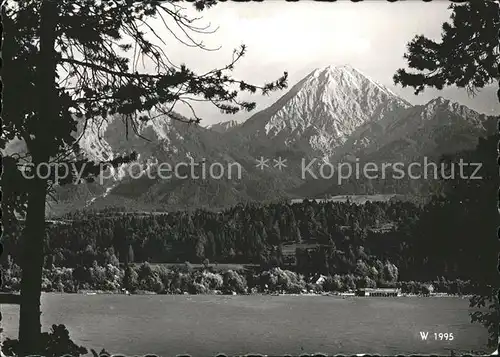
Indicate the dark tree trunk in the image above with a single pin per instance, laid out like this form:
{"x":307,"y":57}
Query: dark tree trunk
{"x":29,"y":319}
{"x":39,"y":146}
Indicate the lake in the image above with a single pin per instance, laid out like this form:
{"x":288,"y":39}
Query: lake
{"x":204,"y":325}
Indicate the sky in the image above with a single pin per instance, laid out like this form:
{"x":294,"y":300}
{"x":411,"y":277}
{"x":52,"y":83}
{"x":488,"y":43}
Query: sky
{"x":300,"y":37}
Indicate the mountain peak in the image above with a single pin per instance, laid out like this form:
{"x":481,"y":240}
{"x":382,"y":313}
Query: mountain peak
{"x":344,"y":67}
{"x":325,"y":107}
{"x":335,"y":69}
{"x":439,"y":105}
{"x":346,"y":74}
{"x":442,"y":103}
{"x":439,"y":100}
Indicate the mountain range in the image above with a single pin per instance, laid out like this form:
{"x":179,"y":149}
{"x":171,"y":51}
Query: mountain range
{"x":334,"y":114}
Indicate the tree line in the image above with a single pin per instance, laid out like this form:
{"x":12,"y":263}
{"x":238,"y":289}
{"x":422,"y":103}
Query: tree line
{"x":382,"y":241}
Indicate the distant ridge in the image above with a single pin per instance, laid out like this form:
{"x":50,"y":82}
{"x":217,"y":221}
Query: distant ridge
{"x":335,"y":113}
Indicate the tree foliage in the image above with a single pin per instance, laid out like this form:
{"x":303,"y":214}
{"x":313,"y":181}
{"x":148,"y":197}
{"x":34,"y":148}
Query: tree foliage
{"x":468,"y":56}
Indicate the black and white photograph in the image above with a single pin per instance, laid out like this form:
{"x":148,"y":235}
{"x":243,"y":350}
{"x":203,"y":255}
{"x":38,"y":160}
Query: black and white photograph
{"x":233,"y":178}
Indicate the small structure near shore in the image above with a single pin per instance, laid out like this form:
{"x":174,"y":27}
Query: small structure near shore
{"x":382,"y":292}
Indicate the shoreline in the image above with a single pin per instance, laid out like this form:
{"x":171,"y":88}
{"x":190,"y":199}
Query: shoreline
{"x":330,"y":294}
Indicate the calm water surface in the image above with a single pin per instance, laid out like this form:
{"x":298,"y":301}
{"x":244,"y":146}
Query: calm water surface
{"x":204,"y":325}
